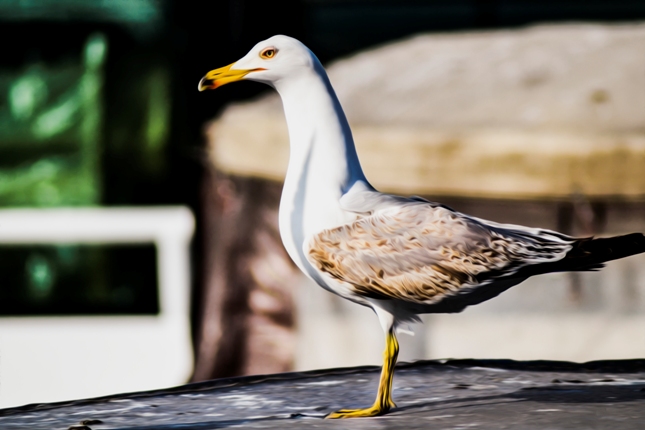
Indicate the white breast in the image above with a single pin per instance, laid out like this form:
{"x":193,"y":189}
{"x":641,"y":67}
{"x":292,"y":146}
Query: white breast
{"x":323,"y":164}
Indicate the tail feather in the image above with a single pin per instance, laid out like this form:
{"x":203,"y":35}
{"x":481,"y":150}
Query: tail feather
{"x":590,"y":254}
{"x":592,"y":251}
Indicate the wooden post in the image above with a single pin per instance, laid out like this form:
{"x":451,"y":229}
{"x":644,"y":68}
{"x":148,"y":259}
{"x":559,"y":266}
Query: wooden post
{"x":246,"y":324}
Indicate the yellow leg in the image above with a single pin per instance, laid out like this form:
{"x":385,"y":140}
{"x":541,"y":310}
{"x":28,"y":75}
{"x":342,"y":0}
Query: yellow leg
{"x":383,"y":401}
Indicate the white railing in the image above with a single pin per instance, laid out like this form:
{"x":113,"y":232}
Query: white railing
{"x":47,"y":358}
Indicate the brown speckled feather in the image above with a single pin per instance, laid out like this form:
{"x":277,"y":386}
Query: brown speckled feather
{"x":419,"y":252}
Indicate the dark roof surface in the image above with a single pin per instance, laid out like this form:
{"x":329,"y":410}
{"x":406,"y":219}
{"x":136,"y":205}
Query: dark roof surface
{"x":456,"y":394}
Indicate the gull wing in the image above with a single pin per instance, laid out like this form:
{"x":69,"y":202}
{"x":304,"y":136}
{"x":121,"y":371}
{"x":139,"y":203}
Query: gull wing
{"x":421,"y":252}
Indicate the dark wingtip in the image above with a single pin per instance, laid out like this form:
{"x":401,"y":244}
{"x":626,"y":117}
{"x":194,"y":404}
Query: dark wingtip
{"x":609,"y":248}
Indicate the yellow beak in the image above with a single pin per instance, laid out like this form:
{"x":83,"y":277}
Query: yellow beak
{"x":222,"y":76}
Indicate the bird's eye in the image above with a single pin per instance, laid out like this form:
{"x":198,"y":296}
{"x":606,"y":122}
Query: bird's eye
{"x":268,"y":53}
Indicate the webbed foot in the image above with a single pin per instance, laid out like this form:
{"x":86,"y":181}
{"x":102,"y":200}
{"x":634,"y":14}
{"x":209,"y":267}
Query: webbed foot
{"x":373,"y":411}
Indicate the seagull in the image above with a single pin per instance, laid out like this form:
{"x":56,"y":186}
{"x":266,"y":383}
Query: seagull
{"x":400,"y":256}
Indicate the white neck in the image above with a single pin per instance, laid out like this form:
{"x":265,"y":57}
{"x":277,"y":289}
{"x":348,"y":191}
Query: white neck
{"x":317,"y":124}
{"x":323,"y":163}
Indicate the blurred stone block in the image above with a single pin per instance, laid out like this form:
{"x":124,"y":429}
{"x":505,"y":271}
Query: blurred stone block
{"x":540,"y":112}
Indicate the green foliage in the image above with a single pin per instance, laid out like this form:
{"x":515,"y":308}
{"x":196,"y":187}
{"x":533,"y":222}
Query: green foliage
{"x":50,"y":131}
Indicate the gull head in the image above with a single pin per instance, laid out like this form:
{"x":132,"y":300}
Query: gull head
{"x":270,"y":61}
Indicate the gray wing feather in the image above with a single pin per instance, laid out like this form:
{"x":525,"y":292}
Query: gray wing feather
{"x":417,"y":251}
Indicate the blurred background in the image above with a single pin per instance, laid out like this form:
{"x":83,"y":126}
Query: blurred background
{"x":138,"y":218}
